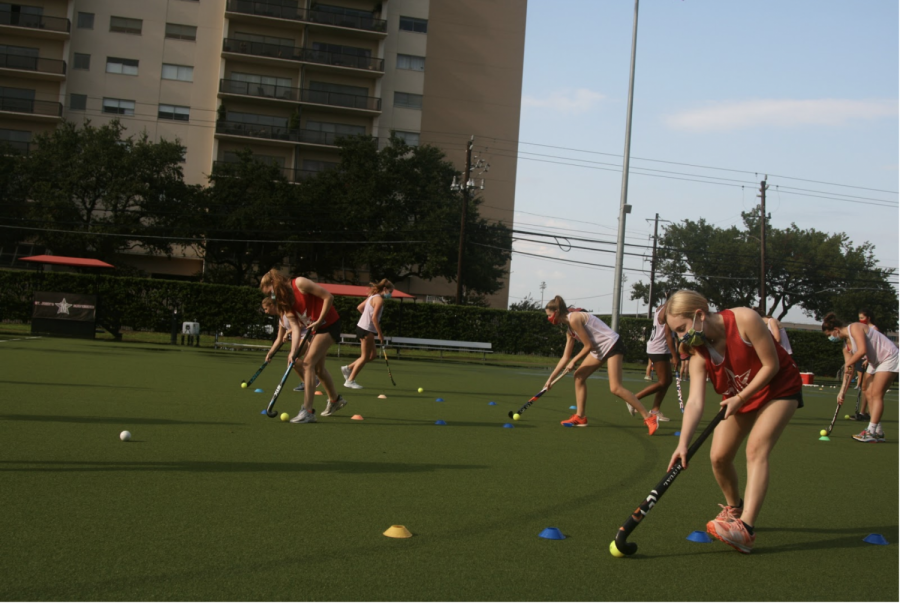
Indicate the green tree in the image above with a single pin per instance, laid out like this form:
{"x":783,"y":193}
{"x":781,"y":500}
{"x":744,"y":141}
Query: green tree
{"x":527,"y":304}
{"x":95,"y":193}
{"x":13,"y":200}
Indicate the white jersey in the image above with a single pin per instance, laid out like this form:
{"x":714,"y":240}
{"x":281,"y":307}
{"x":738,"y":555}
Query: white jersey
{"x":657,"y":342}
{"x":879,"y":349}
{"x":366,"y":323}
{"x":601,"y":337}
{"x":287,"y":326}
{"x":785,"y":342}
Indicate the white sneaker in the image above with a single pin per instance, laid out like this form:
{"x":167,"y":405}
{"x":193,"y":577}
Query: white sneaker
{"x":648,"y":378}
{"x":300,"y":387}
{"x":630,"y":409}
{"x":305,"y":417}
{"x":345,"y":371}
{"x":335,"y":406}
{"x":352,"y":385}
{"x":662,"y":417}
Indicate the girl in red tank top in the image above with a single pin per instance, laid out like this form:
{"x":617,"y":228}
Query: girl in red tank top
{"x":308,"y":304}
{"x":761,"y":389}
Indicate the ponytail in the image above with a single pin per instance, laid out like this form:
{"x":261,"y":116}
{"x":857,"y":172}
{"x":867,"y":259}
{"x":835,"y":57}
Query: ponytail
{"x":831,"y":322}
{"x":380,"y":286}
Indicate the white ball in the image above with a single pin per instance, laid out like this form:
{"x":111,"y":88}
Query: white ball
{"x":125,"y":436}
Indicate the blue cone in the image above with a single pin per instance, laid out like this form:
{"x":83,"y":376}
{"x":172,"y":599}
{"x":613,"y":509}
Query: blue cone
{"x":263,"y":411}
{"x":257,"y":391}
{"x":875,"y":539}
{"x":492,"y":403}
{"x":698,"y":536}
{"x":573,"y":408}
{"x":567,"y":425}
{"x":440,"y":422}
{"x":508,"y":425}
{"x":551,"y":534}
{"x":439,"y":400}
{"x":678,"y":433}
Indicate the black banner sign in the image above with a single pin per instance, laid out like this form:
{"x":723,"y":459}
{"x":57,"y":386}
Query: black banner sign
{"x":65,"y":306}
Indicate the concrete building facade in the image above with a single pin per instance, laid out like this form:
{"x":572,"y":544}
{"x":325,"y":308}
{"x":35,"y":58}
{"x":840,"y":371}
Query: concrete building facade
{"x":283,"y":78}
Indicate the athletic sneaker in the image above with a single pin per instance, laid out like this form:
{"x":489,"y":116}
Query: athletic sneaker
{"x":305,"y":417}
{"x":866,"y":436}
{"x":879,"y":435}
{"x":352,"y":384}
{"x":575,"y":421}
{"x":732,"y":532}
{"x":662,"y":418}
{"x":728,"y":513}
{"x":630,"y":409}
{"x":302,"y":386}
{"x":648,"y":378}
{"x":652,"y":423}
{"x":345,"y":371}
{"x":335,"y":406}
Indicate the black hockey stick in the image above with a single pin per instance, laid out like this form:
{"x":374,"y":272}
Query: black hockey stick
{"x":270,"y":409}
{"x":536,"y":396}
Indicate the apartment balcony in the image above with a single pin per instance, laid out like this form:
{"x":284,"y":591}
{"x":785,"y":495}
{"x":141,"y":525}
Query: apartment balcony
{"x":330,"y":101}
{"x":291,"y":174}
{"x":32,"y":67}
{"x":280,"y":135}
{"x":334,"y":62}
{"x":37,"y":26}
{"x":35,"y":110}
{"x":262,"y":12}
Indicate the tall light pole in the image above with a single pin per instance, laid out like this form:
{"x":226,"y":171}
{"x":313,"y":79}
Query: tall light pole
{"x":624,"y":208}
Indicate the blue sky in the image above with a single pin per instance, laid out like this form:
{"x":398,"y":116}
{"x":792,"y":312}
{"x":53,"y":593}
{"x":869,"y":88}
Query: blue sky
{"x":790,"y":88}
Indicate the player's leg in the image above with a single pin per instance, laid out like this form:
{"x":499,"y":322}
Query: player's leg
{"x":366,"y":354}
{"x":588,"y":366}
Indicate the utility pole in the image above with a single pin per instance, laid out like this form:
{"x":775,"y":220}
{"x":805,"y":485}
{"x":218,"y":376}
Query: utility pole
{"x":762,"y":246}
{"x":464,"y":187}
{"x":653,"y":268}
{"x":624,"y":208}
{"x":543,"y":286}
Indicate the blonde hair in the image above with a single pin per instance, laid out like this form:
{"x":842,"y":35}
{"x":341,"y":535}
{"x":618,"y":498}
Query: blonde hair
{"x":685,"y":303}
{"x":281,"y":285}
{"x":380,"y":286}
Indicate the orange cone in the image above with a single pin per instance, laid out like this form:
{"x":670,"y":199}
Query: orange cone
{"x":357,"y":417}
{"x":318,"y":393}
{"x":382,"y":397}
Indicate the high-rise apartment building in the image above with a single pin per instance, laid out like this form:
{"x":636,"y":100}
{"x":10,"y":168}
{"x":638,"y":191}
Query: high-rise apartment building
{"x":283,"y":78}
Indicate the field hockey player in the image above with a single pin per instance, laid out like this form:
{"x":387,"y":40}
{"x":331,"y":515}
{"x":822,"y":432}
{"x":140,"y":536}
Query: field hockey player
{"x":661,"y":352}
{"x":601,"y":344}
{"x":368,"y":326}
{"x":761,"y":389}
{"x":313,"y":307}
{"x":285,"y":334}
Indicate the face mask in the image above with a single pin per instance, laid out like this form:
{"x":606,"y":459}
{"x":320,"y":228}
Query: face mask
{"x":386,"y":295}
{"x":834,"y":339}
{"x":865,"y":321}
{"x":554,"y":320}
{"x":694,"y":338}
{"x":273,"y":296}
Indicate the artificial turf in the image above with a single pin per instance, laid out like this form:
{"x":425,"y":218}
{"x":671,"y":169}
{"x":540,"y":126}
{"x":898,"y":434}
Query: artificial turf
{"x":213,"y":501}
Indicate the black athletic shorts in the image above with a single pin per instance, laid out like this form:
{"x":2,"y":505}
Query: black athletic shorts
{"x":798,"y":397}
{"x":659,"y":357}
{"x":618,"y":348}
{"x":361,"y":333}
{"x":334,"y":329}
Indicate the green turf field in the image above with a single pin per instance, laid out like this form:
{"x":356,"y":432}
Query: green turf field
{"x":213,"y":501}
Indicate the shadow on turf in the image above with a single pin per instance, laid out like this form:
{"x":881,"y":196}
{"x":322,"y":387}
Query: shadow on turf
{"x":351,"y":467}
{"x":107,"y":420}
{"x":42,"y":383}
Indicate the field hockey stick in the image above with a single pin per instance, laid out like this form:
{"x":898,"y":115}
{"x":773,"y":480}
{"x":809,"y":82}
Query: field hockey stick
{"x":678,"y":389}
{"x":621,"y":543}
{"x":537,"y":395}
{"x":384,"y":352}
{"x":260,"y":370}
{"x":270,"y":409}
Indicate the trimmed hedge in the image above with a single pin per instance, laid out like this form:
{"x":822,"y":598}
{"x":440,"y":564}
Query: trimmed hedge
{"x":147,"y":304}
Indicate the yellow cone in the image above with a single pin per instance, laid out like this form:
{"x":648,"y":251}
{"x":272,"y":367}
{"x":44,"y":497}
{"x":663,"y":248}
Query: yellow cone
{"x":398,"y":532}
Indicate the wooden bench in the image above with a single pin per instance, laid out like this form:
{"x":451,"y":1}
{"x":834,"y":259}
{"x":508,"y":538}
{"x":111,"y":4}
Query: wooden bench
{"x":439,"y":345}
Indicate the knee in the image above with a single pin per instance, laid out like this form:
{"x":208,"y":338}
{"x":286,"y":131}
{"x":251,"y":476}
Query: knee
{"x":618,"y":391}
{"x":756,"y":453}
{"x":719,"y":460}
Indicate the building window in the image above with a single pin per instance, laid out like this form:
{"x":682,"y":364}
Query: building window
{"x":410,"y":138}
{"x":407,"y":100}
{"x":85,"y":21}
{"x":181,"y":73}
{"x":181,"y":32}
{"x":123,"y":25}
{"x":82,"y":61}
{"x":122,"y":66}
{"x":263,"y":39}
{"x":18,"y":140}
{"x":408,"y":61}
{"x":118,"y":106}
{"x":78,"y":102}
{"x":232,"y":157}
{"x":174,"y":112}
{"x":411,"y":24}
{"x":312,"y":165}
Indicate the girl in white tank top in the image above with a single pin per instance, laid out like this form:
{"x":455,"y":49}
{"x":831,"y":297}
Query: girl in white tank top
{"x":660,"y":351}
{"x":601,"y":344}
{"x":368,"y":326}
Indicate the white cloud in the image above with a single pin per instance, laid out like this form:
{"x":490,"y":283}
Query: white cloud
{"x":735,"y":115}
{"x":574,"y":102}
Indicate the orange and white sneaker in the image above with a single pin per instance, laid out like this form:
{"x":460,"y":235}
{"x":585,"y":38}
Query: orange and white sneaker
{"x":732,"y":532}
{"x":728,"y":513}
{"x":575,"y":421}
{"x":652,"y":423}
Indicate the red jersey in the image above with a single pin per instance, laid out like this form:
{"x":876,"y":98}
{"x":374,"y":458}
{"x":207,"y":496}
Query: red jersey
{"x":308,"y":308}
{"x":741,"y":364}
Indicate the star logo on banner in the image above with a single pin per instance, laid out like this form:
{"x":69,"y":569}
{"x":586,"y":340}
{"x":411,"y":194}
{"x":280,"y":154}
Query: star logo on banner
{"x":63,"y":307}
